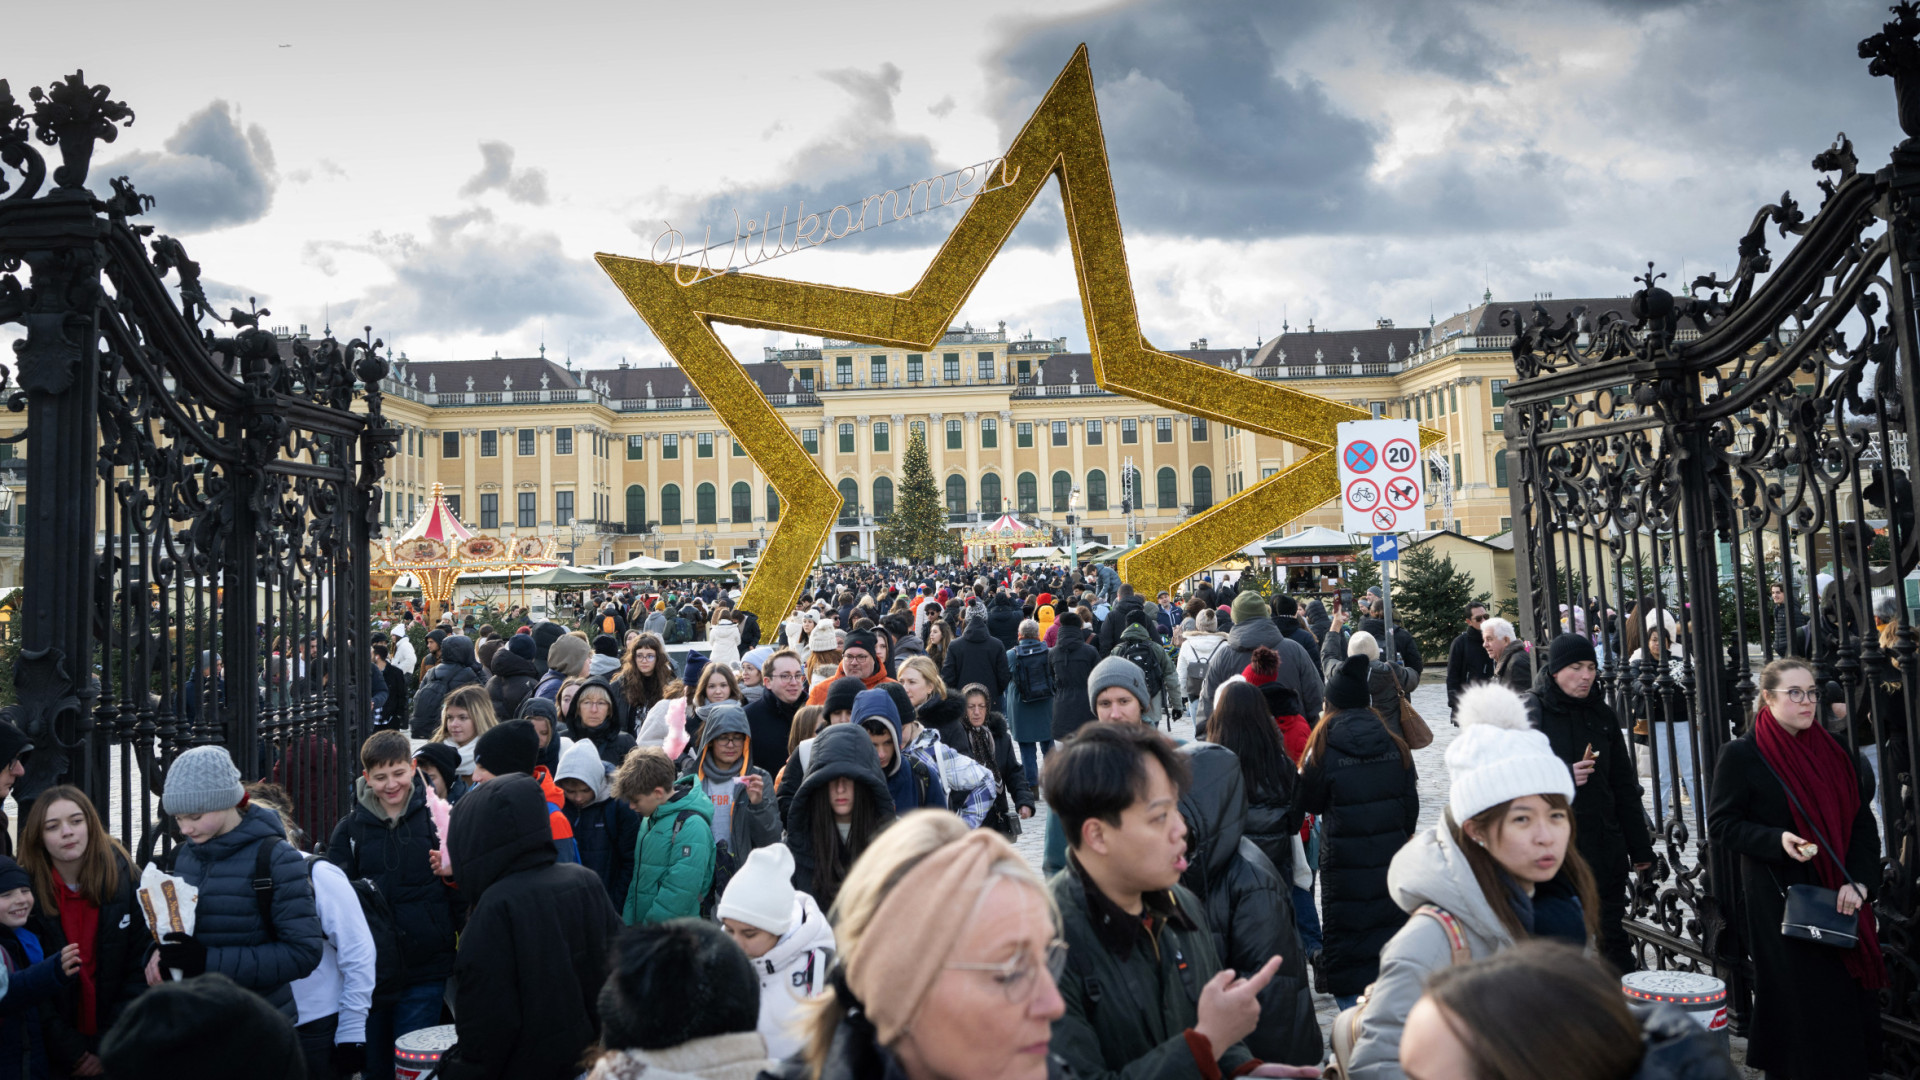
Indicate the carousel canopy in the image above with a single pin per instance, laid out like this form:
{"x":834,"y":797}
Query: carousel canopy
{"x":1005,"y":523}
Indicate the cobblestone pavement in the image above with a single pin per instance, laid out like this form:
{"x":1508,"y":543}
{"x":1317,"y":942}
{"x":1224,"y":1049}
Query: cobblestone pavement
{"x":1431,"y":699}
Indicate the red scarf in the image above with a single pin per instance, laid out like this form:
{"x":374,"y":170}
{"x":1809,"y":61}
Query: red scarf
{"x":1817,"y":771}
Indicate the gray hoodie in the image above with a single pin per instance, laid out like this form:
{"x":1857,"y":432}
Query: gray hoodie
{"x":1430,"y":869}
{"x":746,"y":825}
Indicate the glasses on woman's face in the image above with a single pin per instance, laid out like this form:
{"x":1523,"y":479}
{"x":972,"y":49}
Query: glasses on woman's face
{"x":1799,"y":695}
{"x":1018,"y":977}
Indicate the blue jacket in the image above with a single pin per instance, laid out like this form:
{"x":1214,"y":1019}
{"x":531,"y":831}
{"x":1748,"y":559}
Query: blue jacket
{"x":227,"y":918}
{"x":909,"y":781}
{"x":606,"y":832}
{"x":23,"y":1052}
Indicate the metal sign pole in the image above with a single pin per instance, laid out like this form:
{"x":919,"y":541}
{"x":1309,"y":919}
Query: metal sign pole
{"x":1386,"y":611}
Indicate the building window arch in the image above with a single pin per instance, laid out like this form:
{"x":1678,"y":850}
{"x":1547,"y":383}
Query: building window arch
{"x":849,"y":500}
{"x":1027,"y":489}
{"x":1062,"y":490}
{"x":1202,"y":488}
{"x":636,"y":508}
{"x":704,"y":510}
{"x":882,"y":497}
{"x":670,"y":505}
{"x":1168,"y":482}
{"x":990,"y":494}
{"x":773,"y":505}
{"x":956,"y":494}
{"x":1096,"y":491}
{"x":742,"y":503}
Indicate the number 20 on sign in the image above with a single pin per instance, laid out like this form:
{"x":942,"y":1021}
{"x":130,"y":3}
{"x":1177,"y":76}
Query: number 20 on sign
{"x":1382,"y":481}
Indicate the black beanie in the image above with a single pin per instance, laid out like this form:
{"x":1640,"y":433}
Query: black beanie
{"x":841,"y":692}
{"x":13,"y":743}
{"x":539,"y":706}
{"x":1347,"y":689}
{"x":674,"y":982}
{"x":207,"y":1027}
{"x":13,"y":876}
{"x":512,"y":747}
{"x":1285,"y":605}
{"x":1569,"y":649}
{"x":902,"y":704}
{"x":605,"y":645}
{"x":521,"y":645}
{"x":862,"y":640}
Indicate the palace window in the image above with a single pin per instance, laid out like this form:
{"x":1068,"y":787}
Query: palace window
{"x":1027,"y":490}
{"x":846,"y":438}
{"x":1163,"y":429}
{"x":915,"y":369}
{"x":529,"y":509}
{"x":527,"y":447}
{"x":984,"y":372}
{"x":703,"y":444}
{"x":742,"y":503}
{"x":1096,"y":433}
{"x":989,"y":434}
{"x":810,"y":440}
{"x":877,"y":373}
{"x":562,"y":508}
{"x":563,"y":440}
{"x":704,"y":510}
{"x":1059,"y":433}
{"x":881,"y":441}
{"x":670,"y":506}
{"x":1129,"y":432}
{"x":843,"y":370}
{"x":1023,"y":435}
{"x":953,"y":435}
{"x":1199,"y":426}
{"x":1096,"y":491}
{"x":950,"y":366}
{"x":449,"y":444}
{"x":489,"y":511}
{"x":670,"y":446}
{"x":489,"y":443}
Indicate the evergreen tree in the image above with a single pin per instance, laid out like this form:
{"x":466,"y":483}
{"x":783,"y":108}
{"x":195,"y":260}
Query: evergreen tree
{"x":1430,"y":598}
{"x":1362,"y":573}
{"x":917,"y":531}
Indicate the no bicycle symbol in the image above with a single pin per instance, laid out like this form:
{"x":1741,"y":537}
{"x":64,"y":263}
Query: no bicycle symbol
{"x":1361,"y":456}
{"x":1402,"y":493}
{"x":1383,"y":519}
{"x":1363,"y":494}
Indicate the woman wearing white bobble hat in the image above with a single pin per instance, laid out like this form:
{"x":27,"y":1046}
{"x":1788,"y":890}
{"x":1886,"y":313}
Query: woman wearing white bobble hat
{"x":1498,"y":868}
{"x":786,"y":936}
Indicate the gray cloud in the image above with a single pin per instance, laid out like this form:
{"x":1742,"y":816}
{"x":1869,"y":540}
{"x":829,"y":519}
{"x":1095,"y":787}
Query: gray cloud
{"x":942,"y":108}
{"x":210,"y":174}
{"x":473,"y":274}
{"x":498,"y":174}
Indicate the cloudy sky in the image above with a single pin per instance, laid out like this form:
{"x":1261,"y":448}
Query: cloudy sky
{"x":446,"y":175}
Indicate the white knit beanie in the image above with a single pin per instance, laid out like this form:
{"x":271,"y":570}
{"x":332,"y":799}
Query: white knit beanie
{"x":1498,"y":756}
{"x":1363,"y":642}
{"x":761,"y":892}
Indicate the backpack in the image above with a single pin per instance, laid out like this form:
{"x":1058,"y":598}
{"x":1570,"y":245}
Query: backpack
{"x":678,"y":631}
{"x":606,"y":625}
{"x":1196,"y":673}
{"x":1145,"y":655}
{"x":1032,"y":673}
{"x":381,"y":926}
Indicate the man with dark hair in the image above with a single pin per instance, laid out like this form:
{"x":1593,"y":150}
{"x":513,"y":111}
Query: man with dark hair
{"x":1126,"y":609}
{"x":1137,"y":942}
{"x":1286,"y":616}
{"x":1467,"y":660}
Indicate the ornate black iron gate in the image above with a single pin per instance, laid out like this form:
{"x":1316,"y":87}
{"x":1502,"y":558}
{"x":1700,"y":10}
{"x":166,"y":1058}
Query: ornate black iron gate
{"x":1721,"y":475}
{"x":198,"y":504}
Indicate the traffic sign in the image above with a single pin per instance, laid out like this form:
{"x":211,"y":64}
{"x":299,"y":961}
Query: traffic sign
{"x":1382,"y":476}
{"x":1386,"y":548}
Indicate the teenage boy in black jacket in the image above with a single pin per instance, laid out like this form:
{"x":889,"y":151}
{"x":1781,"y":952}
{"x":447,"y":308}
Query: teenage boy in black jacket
{"x":389,"y":839}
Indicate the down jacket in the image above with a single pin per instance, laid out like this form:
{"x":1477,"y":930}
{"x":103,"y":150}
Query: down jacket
{"x":834,"y":755}
{"x":673,"y":867}
{"x":1298,"y":672}
{"x":456,"y":669}
{"x":1369,"y":806}
{"x":119,"y":975}
{"x":513,"y":681}
{"x":534,"y":955}
{"x":394,"y":856}
{"x":608,"y":830}
{"x":1249,"y":906}
{"x":227,"y":917}
{"x":976,"y":656}
{"x":1073,"y":660}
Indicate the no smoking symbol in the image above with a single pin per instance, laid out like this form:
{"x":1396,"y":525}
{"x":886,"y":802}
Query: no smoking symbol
{"x":1402,"y":494}
{"x":1361,"y":457}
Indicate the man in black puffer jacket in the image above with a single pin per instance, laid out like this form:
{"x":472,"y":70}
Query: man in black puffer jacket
{"x":1610,"y":827}
{"x":526,"y":980}
{"x":1360,"y":779}
{"x":1128,"y":608}
{"x":1249,"y":908}
{"x":1003,"y":619}
{"x":1073,"y":660}
{"x":514,"y":676}
{"x":976,"y":656}
{"x":457,"y":668}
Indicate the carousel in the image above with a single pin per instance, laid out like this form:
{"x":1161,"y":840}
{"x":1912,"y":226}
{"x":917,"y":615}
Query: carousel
{"x":437,"y":551}
{"x":999,"y":540}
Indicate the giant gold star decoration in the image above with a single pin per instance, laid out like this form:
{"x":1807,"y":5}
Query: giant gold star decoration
{"x":1063,"y":139}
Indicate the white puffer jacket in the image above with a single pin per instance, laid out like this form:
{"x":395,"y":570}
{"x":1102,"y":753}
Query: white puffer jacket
{"x":795,"y":969}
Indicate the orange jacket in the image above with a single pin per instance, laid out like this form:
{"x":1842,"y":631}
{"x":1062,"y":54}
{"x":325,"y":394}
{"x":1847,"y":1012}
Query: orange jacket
{"x":818,"y":695}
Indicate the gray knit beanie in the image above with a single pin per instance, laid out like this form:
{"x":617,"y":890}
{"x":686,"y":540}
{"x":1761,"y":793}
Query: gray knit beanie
{"x":1123,"y":673}
{"x":201,"y":781}
{"x":569,"y":654}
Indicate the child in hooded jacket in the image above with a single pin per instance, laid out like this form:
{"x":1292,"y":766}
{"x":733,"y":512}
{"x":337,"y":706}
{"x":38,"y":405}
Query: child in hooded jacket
{"x":786,"y":936}
{"x":673,"y":862}
{"x":745,"y":813}
{"x":33,"y":978}
{"x":605,"y":828}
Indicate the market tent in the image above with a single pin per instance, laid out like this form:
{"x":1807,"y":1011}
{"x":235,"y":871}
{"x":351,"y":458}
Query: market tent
{"x":559,"y":577}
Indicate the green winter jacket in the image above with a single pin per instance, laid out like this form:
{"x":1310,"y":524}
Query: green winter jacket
{"x":1127,"y":1018}
{"x":673,"y":868}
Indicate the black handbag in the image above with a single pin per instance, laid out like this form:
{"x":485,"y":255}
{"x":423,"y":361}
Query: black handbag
{"x":1813,"y":913}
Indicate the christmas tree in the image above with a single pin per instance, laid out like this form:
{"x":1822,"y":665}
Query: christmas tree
{"x":1430,"y":598}
{"x":917,"y":531}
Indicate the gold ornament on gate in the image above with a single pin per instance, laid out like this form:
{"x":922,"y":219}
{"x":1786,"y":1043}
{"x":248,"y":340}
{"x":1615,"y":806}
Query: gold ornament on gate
{"x":1061,"y":139}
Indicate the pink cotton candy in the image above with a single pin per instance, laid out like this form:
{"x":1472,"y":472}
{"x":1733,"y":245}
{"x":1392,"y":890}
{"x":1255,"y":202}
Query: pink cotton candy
{"x":440,"y":810}
{"x":676,"y":742}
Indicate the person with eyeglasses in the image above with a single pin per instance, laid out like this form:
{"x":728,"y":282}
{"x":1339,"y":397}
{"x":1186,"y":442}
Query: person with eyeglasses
{"x":1467,"y":660}
{"x":770,"y":717}
{"x":950,"y":960}
{"x":1145,"y":992}
{"x":1797,"y":808}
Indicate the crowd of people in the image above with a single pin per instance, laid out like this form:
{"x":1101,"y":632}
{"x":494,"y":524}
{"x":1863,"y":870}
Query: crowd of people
{"x":736,"y":849}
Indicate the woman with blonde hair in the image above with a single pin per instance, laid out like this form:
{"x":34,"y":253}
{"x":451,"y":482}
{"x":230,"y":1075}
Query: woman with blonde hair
{"x":466,"y":715}
{"x":949,"y":954}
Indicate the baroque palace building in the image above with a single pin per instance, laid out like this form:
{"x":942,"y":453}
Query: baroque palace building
{"x":619,"y":462}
